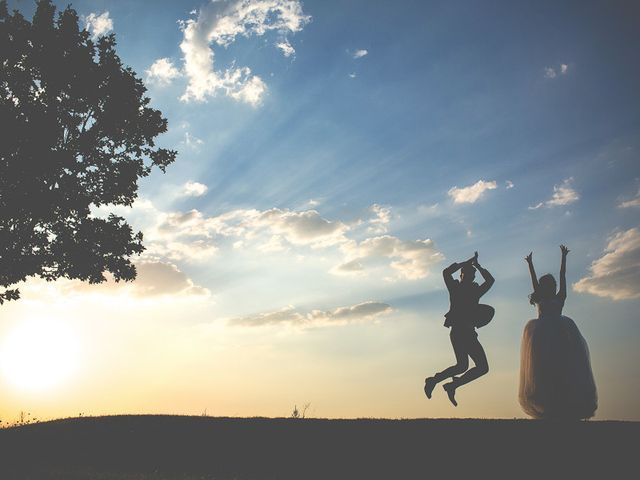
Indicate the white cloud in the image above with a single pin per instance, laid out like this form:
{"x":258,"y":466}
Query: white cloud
{"x":162,"y":278}
{"x":303,"y":228}
{"x":221,"y":22}
{"x":362,"y":312}
{"x":162,"y":72}
{"x":472,"y":193}
{"x":98,"y":25}
{"x":191,"y":141}
{"x":354,"y":266}
{"x":509,"y":184}
{"x":617,"y":273}
{"x":286,"y":47}
{"x":360,"y":53}
{"x":429,"y":210}
{"x":250,"y":90}
{"x":380,"y":222}
{"x":551,"y":72}
{"x":168,"y":236}
{"x":410,"y":259}
{"x":634,"y":202}
{"x":193,"y":236}
{"x":274,"y":244}
{"x":153,"y":279}
{"x":193,"y":189}
{"x":352,"y":75}
{"x":563,"y":194}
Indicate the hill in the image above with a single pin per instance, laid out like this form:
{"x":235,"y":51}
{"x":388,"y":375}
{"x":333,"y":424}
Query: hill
{"x":181,"y":447}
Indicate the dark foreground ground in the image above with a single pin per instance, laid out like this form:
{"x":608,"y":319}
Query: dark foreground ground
{"x":175,"y":447}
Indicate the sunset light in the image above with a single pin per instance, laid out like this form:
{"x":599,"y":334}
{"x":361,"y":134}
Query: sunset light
{"x":39,"y":355}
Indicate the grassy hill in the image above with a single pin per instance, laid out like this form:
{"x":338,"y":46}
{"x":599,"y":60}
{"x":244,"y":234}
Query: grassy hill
{"x":180,"y":447}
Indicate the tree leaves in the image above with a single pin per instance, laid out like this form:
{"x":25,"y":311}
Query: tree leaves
{"x":78,"y":132}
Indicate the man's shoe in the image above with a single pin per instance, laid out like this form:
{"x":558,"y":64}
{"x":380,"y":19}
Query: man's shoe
{"x":429,"y":384}
{"x":450,"y":388}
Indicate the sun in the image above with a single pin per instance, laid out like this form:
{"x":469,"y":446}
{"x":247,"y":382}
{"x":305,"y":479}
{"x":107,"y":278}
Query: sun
{"x":39,"y":354}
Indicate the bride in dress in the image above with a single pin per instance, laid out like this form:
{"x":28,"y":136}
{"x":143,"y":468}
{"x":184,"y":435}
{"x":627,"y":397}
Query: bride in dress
{"x":556,"y":380}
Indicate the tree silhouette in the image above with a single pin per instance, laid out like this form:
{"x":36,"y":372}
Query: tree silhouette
{"x":77,"y":133}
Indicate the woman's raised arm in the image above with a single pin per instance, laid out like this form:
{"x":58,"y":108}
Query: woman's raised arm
{"x":532,"y":271}
{"x":562,"y":291}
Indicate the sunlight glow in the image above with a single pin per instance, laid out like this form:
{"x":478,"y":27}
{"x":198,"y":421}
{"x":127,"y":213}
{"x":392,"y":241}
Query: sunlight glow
{"x":39,"y":354}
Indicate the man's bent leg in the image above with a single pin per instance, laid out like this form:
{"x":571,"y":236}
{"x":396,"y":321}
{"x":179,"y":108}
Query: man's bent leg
{"x":460,"y":348}
{"x":462,"y":363}
{"x":477,"y":354}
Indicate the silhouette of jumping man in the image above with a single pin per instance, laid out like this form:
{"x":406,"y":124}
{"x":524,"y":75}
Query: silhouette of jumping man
{"x":464,"y":315}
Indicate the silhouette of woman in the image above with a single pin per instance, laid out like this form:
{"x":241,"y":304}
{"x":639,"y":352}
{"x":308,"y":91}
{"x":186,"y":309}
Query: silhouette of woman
{"x":556,"y":380}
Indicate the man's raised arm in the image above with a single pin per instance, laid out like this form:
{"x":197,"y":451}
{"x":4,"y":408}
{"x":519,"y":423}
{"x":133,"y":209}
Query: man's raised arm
{"x":488,"y":278}
{"x":450,"y":270}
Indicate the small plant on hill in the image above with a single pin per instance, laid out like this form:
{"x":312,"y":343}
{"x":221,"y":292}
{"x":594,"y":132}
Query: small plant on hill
{"x":300,"y":414}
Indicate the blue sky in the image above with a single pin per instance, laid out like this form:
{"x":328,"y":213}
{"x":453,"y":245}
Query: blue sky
{"x":398,"y":137}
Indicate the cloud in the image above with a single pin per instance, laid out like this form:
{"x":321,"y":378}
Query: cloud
{"x":551,"y":72}
{"x":472,"y":193}
{"x":98,"y":25}
{"x":410,"y":259}
{"x":379,"y":224}
{"x":563,"y":194}
{"x":193,"y":189}
{"x":303,"y":228}
{"x":352,"y":75}
{"x":193,"y":236}
{"x":616,"y":274}
{"x":220,"y":23}
{"x":153,"y":279}
{"x":162,"y":72}
{"x":168,"y":236}
{"x":248,"y":89}
{"x":287,"y":49}
{"x":509,"y":184}
{"x":362,"y":312}
{"x":360,"y":53}
{"x":429,"y":210}
{"x":191,"y":141}
{"x":349,"y":267}
{"x":162,"y":278}
{"x":634,"y":202}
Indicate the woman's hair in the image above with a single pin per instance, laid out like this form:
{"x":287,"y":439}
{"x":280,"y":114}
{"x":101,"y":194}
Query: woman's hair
{"x":546,"y":289}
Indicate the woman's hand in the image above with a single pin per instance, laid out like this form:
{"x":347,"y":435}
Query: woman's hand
{"x":529,"y":258}
{"x":564,"y":250}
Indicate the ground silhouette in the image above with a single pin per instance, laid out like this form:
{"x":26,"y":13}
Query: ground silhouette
{"x":120,"y":447}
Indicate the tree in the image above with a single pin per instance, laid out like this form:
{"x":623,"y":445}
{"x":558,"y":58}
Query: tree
{"x":77,"y":133}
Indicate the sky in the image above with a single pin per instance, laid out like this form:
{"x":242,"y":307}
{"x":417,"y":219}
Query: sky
{"x":334,"y":157}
